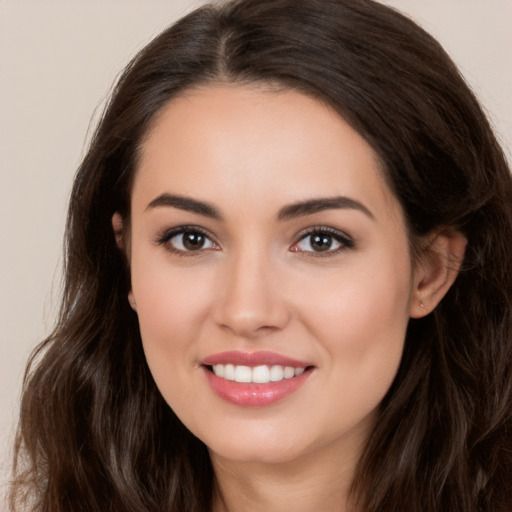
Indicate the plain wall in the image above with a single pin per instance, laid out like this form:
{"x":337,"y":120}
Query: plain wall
{"x":58,"y":60}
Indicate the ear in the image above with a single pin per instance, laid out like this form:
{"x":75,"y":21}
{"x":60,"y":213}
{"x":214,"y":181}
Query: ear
{"x":118,"y":227}
{"x":131,"y":300}
{"x":436,"y":270}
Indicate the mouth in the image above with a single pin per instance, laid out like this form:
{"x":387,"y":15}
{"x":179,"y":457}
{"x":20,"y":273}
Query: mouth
{"x":255,"y":379}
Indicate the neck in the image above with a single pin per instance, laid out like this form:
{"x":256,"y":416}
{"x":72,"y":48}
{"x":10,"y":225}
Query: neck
{"x":316,"y":481}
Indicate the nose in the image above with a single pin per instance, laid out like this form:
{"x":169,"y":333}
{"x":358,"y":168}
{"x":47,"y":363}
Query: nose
{"x":251,"y":303}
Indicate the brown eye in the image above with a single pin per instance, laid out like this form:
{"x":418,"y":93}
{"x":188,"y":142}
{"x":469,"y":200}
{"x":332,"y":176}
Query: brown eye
{"x":187,"y":240}
{"x":318,"y":242}
{"x":193,"y":241}
{"x":322,"y":241}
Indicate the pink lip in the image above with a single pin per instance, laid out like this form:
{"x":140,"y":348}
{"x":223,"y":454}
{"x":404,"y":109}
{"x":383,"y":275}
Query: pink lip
{"x":251,"y":394}
{"x":253,"y":359}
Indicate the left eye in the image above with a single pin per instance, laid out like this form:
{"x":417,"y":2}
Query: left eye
{"x":321,"y":241}
{"x":189,"y":240}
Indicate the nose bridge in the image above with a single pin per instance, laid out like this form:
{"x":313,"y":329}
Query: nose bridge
{"x":251,"y":303}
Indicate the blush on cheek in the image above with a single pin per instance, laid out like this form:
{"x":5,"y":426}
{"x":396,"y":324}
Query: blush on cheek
{"x":366,"y":323}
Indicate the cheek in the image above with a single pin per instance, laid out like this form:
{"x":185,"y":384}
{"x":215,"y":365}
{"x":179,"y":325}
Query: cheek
{"x":361,"y":318}
{"x":171,"y":308}
{"x":370,"y":295}
{"x":168,"y":305}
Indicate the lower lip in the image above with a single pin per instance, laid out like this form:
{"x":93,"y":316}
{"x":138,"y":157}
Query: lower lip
{"x":255,"y":395}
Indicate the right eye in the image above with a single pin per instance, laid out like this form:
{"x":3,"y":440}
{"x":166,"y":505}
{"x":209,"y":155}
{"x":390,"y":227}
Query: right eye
{"x":187,"y":240}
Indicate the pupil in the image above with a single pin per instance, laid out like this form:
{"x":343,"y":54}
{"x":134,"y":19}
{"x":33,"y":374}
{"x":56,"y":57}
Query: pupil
{"x":193,"y":241}
{"x":321,"y":242}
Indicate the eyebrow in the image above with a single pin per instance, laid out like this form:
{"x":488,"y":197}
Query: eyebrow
{"x":187,"y":204}
{"x":288,"y":212}
{"x":312,"y":206}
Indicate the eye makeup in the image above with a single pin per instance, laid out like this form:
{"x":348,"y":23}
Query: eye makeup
{"x":187,"y":241}
{"x":192,"y":240}
{"x":322,"y":241}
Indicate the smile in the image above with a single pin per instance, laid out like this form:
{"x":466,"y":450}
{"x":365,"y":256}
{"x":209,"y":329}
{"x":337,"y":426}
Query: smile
{"x":255,"y":379}
{"x":257,"y":374}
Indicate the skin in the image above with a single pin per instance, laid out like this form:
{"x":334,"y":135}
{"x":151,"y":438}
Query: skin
{"x":257,"y":284}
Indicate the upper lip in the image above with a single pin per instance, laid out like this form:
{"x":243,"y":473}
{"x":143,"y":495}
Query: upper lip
{"x":262,"y":357}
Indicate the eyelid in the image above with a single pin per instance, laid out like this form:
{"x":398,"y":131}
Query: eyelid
{"x":167,"y":234}
{"x":341,"y":237}
{"x":345,"y":240}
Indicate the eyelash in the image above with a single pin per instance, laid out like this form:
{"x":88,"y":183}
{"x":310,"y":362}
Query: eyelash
{"x":168,"y":235}
{"x":344,"y":241}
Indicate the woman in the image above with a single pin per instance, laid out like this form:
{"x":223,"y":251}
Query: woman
{"x":288,"y":279}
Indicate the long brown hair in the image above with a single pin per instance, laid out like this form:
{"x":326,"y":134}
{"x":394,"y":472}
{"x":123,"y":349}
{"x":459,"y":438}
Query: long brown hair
{"x":95,"y":433}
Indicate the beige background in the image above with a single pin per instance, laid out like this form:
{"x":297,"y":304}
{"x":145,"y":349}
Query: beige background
{"x":58,"y":60}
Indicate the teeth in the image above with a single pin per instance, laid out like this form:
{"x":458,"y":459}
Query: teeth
{"x":289,"y":372}
{"x":229,"y":372}
{"x":243,"y":374}
{"x":258,"y":374}
{"x":276,"y":373}
{"x":218,"y":369}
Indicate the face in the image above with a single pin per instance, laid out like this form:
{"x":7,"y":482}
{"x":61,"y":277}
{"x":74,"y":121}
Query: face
{"x":271,"y":273}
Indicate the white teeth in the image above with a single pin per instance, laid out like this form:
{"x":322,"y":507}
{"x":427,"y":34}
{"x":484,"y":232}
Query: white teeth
{"x":243,"y":374}
{"x":289,"y":372}
{"x":218,"y":369}
{"x":257,"y":374}
{"x":261,"y":374}
{"x":229,"y":372}
{"x":276,"y":373}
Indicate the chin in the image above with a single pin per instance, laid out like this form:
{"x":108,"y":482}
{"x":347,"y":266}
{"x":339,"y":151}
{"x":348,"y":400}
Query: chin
{"x":255,"y":454}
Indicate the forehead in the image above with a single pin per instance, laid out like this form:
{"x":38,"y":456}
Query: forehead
{"x":279,"y":146}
